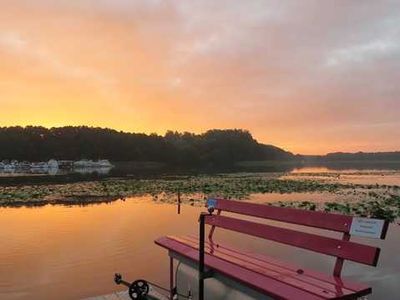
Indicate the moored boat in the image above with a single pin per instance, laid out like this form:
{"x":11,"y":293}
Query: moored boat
{"x":39,"y":166}
{"x":86,"y":163}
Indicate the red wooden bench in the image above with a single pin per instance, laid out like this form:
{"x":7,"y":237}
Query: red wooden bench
{"x":267,"y":275}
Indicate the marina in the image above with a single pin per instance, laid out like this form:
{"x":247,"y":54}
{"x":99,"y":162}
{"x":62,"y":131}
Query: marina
{"x":53,"y":167}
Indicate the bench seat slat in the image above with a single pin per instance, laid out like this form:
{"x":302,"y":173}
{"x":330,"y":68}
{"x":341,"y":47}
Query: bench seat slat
{"x":292,"y":277}
{"x":268,"y":286}
{"x":270,"y":260}
{"x":324,"y":281}
{"x":322,"y":220}
{"x":339,"y":248}
{"x":279,"y":287}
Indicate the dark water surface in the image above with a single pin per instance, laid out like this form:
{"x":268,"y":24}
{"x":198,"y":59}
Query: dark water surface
{"x":156,"y":170}
{"x":60,"y":252}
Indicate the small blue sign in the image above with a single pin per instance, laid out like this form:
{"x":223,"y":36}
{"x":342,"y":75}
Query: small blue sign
{"x":212,"y":203}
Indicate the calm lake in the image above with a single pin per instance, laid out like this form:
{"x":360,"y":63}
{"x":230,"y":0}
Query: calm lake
{"x":72,"y":252}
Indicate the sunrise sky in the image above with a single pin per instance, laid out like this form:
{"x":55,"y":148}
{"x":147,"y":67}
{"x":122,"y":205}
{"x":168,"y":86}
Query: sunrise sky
{"x":309,"y":76}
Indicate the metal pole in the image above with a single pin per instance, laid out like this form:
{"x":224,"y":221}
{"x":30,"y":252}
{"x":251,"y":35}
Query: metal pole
{"x":171,"y":277}
{"x":179,"y":202}
{"x":201,"y":255}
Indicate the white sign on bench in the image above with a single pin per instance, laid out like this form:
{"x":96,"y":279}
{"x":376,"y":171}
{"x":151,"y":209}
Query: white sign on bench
{"x":365,"y":227}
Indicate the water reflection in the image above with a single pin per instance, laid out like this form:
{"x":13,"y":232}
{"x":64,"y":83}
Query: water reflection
{"x":157,"y":170}
{"x":60,"y":252}
{"x":312,"y":170}
{"x":380,"y":177}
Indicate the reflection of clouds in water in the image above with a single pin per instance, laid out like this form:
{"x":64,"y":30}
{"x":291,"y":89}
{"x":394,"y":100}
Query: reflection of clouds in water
{"x":106,"y":235}
{"x":385,"y":278}
{"x":379,"y":276}
{"x":388,"y":287}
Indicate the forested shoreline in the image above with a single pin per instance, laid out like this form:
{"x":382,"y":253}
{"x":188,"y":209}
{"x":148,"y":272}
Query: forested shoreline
{"x":215,"y":147}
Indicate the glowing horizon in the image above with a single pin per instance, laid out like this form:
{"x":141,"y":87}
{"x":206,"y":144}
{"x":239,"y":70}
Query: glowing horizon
{"x":308,"y":77}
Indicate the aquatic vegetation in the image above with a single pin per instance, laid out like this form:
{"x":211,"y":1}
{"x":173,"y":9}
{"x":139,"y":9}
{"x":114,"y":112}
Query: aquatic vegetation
{"x":224,"y":186}
{"x":371,"y":209}
{"x":380,"y":201}
{"x":295,"y":204}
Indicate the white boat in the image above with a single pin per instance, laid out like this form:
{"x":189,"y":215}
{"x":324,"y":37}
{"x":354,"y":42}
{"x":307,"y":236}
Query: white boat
{"x":9,"y":168}
{"x":52,"y":164}
{"x":65,"y":164}
{"x":85,"y":163}
{"x":39,"y":166}
{"x":104,"y":163}
{"x":24,"y":165}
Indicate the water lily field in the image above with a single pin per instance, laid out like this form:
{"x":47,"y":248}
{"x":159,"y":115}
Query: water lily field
{"x":366,"y":193}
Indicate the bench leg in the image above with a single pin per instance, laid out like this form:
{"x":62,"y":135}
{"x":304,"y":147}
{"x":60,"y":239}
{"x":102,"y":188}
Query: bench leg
{"x":201,"y":255}
{"x":171,"y":277}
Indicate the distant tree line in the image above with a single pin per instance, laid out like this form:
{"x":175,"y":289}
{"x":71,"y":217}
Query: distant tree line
{"x":364,"y":156}
{"x":354,"y":157}
{"x":214,"y":147}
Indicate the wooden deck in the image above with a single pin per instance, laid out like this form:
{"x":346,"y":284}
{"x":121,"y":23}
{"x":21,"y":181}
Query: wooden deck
{"x":153,"y":295}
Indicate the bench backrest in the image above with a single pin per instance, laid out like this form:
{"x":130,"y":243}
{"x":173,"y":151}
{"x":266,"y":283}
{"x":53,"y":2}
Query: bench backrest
{"x":343,"y":248}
